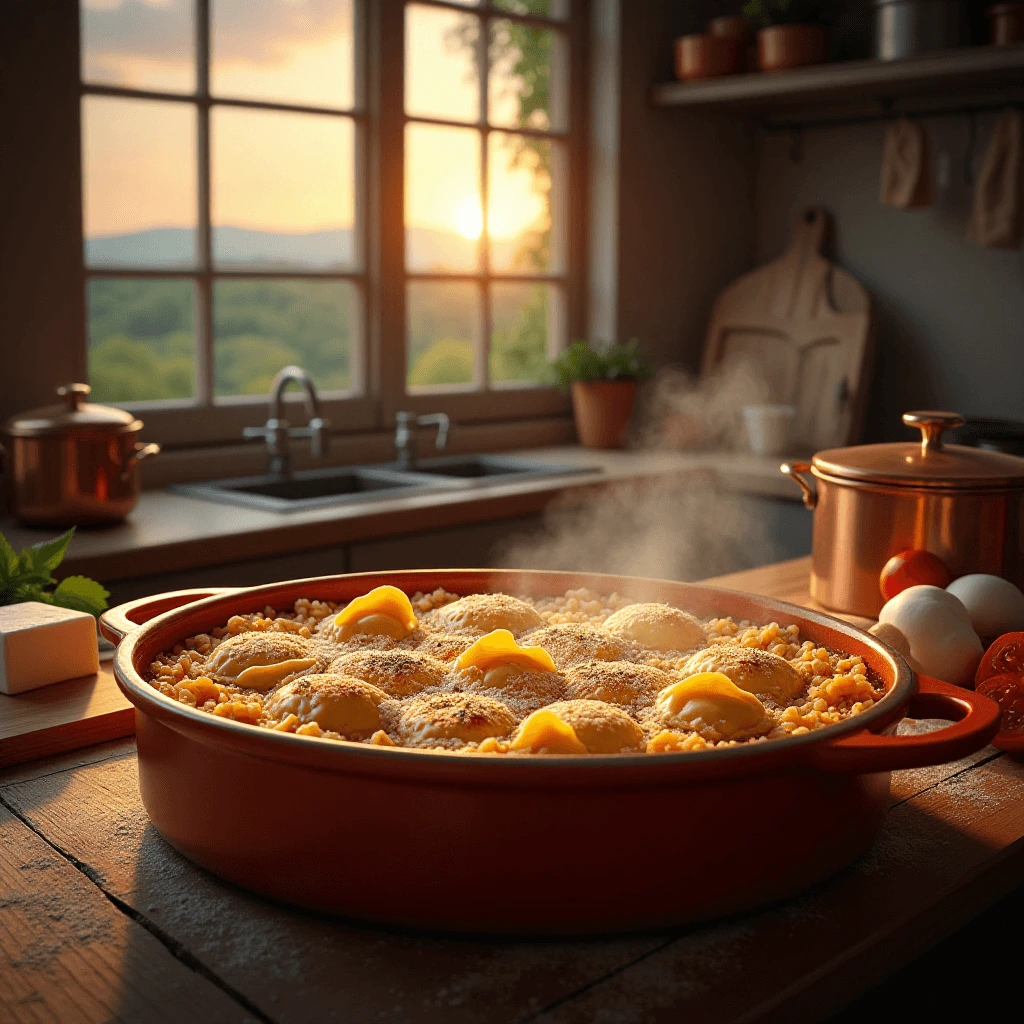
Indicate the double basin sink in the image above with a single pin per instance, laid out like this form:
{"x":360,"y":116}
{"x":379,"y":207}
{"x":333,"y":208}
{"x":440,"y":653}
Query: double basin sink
{"x":315,"y":488}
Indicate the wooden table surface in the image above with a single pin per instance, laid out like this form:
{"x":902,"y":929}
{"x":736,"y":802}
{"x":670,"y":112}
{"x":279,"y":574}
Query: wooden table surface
{"x":100,"y":920}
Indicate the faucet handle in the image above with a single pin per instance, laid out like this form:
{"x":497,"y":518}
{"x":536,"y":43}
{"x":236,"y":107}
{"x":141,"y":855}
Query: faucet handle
{"x":319,"y":436}
{"x":443,"y":423}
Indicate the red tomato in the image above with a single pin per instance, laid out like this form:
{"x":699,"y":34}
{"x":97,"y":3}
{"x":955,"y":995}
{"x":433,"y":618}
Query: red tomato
{"x":1008,"y":693}
{"x":1004,"y":658}
{"x":912,"y":568}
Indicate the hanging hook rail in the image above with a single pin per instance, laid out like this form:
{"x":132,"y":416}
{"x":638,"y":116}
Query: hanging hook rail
{"x":889,"y":113}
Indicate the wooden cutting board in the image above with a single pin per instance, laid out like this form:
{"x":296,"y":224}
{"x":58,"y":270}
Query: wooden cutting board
{"x":807,"y":326}
{"x":62,"y":717}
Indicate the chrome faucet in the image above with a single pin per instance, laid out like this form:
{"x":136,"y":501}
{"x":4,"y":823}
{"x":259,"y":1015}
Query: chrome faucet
{"x":405,"y":435}
{"x":278,"y":432}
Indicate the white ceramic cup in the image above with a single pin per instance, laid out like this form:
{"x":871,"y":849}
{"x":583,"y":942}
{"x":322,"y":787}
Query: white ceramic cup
{"x":769,"y":428}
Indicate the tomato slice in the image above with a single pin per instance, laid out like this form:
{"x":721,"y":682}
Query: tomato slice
{"x":911,"y":568}
{"x":1008,"y":693}
{"x":1004,"y":658}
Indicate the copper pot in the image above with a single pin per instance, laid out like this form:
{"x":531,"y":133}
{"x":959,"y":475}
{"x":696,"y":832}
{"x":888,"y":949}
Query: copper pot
{"x":872,"y":501}
{"x":782,"y":47}
{"x":541,"y":844}
{"x":74,"y":464}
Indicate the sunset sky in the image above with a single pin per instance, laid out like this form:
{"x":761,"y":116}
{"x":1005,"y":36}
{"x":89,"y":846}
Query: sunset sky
{"x":274,"y":171}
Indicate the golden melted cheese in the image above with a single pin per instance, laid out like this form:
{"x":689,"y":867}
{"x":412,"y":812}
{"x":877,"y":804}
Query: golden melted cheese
{"x":498,"y":651}
{"x":750,"y":668}
{"x":545,"y":733}
{"x":712,"y":700}
{"x":384,"y":611}
{"x":658,"y":626}
{"x":342,"y":704}
{"x":601,"y":728}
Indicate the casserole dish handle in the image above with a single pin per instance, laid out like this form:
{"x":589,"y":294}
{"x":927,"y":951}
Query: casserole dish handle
{"x":116,"y":623}
{"x":975,"y":720}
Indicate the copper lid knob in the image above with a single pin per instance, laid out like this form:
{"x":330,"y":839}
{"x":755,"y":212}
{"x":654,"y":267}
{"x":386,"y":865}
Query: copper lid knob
{"x":932,"y":425}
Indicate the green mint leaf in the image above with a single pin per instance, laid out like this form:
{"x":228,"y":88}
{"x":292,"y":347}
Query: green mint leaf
{"x":82,"y":594}
{"x":47,"y":555}
{"x":8,"y":559}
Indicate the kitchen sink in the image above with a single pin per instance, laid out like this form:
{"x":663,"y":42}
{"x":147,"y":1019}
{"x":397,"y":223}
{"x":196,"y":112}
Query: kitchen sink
{"x":316,"y":488}
{"x":311,"y":488}
{"x":491,"y":468}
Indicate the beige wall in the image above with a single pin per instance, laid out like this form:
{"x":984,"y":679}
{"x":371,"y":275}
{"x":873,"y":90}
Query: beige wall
{"x":686,"y":200}
{"x":950,"y":314}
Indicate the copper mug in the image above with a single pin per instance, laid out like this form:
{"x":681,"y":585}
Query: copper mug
{"x":73,"y":464}
{"x":872,"y":501}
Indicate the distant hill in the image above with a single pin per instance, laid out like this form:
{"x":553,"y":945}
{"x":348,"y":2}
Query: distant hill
{"x":428,"y":249}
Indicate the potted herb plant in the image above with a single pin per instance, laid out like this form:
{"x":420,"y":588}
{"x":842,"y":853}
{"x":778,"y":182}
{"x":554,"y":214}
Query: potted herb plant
{"x":602,"y":381}
{"x":793,"y":32}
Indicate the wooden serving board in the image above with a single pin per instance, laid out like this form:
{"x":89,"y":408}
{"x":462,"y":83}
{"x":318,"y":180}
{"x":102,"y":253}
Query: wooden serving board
{"x":808,"y":329}
{"x":62,"y":717}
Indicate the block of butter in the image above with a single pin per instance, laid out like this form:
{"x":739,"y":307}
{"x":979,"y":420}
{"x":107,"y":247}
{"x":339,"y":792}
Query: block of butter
{"x":42,"y":644}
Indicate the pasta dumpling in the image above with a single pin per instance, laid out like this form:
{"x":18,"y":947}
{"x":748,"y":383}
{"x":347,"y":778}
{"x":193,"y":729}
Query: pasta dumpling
{"x":616,"y":682}
{"x":437,"y":718}
{"x":712,"y":700}
{"x":601,"y":728}
{"x":658,"y":626}
{"x":750,"y":668}
{"x":338,"y":703}
{"x":487,"y":612}
{"x":384,"y":611}
{"x":398,"y":673}
{"x":572,"y":643}
{"x":259,"y":660}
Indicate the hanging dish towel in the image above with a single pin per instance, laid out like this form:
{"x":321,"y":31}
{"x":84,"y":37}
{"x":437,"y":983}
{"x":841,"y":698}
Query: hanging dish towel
{"x":998,"y":217}
{"x":906,"y":167}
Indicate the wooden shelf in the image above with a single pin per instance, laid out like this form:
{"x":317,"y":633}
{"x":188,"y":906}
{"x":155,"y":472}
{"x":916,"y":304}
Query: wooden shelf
{"x":972,"y":75}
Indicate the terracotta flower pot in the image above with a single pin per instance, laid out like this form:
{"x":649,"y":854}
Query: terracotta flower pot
{"x":790,"y":46}
{"x":602,"y":409}
{"x":709,"y":56}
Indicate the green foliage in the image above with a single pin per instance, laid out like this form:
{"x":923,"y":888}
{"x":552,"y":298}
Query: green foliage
{"x":790,"y":12}
{"x":612,"y":361}
{"x":447,"y":361}
{"x":29,"y":575}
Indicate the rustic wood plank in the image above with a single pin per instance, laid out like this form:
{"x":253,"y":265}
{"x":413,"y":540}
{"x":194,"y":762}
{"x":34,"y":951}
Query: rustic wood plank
{"x":68,"y":955}
{"x":67,"y":761}
{"x":64,"y":716}
{"x":939,"y":860}
{"x":294,"y":965}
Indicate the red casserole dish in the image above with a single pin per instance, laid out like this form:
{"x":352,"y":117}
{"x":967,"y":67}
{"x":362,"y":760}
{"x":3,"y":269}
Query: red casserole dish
{"x":494,"y":844}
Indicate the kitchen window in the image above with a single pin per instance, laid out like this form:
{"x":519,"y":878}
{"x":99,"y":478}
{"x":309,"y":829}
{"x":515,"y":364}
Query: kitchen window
{"x":239,"y":166}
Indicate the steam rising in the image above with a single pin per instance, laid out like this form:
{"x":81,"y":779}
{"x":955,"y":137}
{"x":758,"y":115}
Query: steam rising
{"x":682,"y":527}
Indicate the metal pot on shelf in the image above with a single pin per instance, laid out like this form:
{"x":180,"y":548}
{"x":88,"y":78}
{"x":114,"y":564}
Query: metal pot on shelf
{"x":75,"y":463}
{"x":910,"y":28}
{"x":872,"y":501}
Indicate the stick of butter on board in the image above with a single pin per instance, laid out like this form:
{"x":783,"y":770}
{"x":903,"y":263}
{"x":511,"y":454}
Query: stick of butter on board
{"x":42,"y":644}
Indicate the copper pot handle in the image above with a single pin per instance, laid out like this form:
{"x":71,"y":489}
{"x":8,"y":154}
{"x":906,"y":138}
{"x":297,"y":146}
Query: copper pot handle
{"x":116,"y":623}
{"x":142,"y":451}
{"x":975,"y":721}
{"x":794,"y":469}
{"x":932,"y":424}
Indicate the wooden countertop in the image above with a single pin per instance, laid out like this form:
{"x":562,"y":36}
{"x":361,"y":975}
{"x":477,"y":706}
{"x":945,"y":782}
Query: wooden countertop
{"x":101,"y":919}
{"x":170,"y":532}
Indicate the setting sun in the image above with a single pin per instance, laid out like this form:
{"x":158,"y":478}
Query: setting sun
{"x":469,"y":218}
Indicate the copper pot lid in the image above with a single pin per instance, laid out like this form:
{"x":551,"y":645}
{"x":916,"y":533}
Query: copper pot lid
{"x":74,"y":415}
{"x":924,"y":463}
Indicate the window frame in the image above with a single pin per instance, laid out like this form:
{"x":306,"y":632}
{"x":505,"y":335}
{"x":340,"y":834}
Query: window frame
{"x":378,"y":355}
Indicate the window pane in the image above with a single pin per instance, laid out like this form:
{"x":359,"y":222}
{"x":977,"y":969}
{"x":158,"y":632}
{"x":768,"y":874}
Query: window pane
{"x":441,"y":74}
{"x":139,"y":182}
{"x":281,"y":189}
{"x":526,"y":87}
{"x":140,"y":44}
{"x":538,"y":8}
{"x":141,"y":339}
{"x":444,"y":329}
{"x":261,"y":326}
{"x":443,"y":212}
{"x":283,"y":51}
{"x":526,"y":331}
{"x":525,"y":211}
